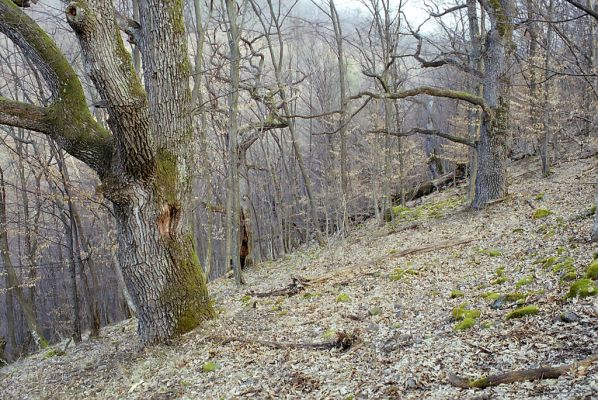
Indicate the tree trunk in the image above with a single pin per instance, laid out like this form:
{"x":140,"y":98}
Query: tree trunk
{"x":491,"y":180}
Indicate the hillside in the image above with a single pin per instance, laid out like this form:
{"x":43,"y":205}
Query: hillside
{"x":392,"y":291}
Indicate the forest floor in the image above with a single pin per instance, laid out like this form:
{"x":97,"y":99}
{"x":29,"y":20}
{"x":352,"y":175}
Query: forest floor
{"x":392,"y":289}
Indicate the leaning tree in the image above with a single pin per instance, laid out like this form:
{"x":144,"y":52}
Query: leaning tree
{"x":144,"y":160}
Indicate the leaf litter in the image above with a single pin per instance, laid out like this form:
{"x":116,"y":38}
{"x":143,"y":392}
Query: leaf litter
{"x":402,"y":338}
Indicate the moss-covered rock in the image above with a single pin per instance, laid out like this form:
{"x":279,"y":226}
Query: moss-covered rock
{"x":541,"y":213}
{"x":456,"y":293}
{"x":582,"y":288}
{"x":522,"y":312}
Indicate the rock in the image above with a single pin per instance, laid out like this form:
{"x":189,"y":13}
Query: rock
{"x":372,"y":328}
{"x":410,"y":383}
{"x":498,"y":303}
{"x":569,"y":317}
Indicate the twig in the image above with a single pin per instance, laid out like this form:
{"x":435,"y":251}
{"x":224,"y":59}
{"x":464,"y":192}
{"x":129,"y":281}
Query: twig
{"x":519,"y":376}
{"x":439,"y":246}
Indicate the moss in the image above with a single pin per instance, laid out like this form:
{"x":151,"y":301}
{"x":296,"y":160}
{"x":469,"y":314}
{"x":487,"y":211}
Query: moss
{"x":541,"y":213}
{"x":400,"y":273}
{"x":547,"y":262}
{"x":522,"y":312}
{"x":424,"y":211}
{"x":491,"y":296}
{"x":513,"y":297}
{"x":166,"y":175}
{"x":540,"y":196}
{"x":592,"y":271}
{"x":53,"y":352}
{"x":465,"y":324}
{"x":582,"y":288}
{"x":309,"y":296}
{"x":478,"y":383}
{"x":491,"y":252}
{"x":460,"y":313}
{"x":456,"y":293}
{"x":565,"y":264}
{"x":375,"y":311}
{"x":395,"y":325}
{"x":487,"y":325}
{"x":209,"y":366}
{"x":329,"y":334}
{"x":245,"y":299}
{"x":569,"y":276}
{"x":500,"y":271}
{"x":190,"y":290}
{"x":343,"y":298}
{"x":499,"y":280}
{"x":524,"y":281}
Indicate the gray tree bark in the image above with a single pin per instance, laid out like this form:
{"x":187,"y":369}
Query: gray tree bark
{"x":145,"y":161}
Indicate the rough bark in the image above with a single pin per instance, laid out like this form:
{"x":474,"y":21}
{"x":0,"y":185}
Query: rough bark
{"x":491,"y":180}
{"x":145,"y":162}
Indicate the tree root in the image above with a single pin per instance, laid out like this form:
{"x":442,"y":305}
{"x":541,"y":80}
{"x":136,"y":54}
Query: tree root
{"x":519,"y":376}
{"x":343,"y":342}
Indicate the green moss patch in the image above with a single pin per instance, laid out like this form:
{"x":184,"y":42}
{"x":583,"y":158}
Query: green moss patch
{"x":465,"y":324}
{"x":522,"y":312}
{"x":461,"y":312}
{"x":209,"y":366}
{"x":499,"y":281}
{"x":582,"y":288}
{"x":592,"y":271}
{"x":541,"y":213}
{"x":400,"y":273}
{"x":425,"y":211}
{"x":456,"y":293}
{"x":524,"y":281}
{"x":491,"y":252}
{"x":343,"y":298}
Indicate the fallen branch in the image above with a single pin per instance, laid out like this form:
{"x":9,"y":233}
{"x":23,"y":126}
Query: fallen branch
{"x":438,"y":246}
{"x":519,"y":376}
{"x":343,"y":341}
{"x":297,"y":285}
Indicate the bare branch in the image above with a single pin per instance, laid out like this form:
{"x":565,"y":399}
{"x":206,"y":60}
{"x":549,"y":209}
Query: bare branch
{"x":583,"y":8}
{"x":430,"y":91}
{"x":21,"y":115}
{"x":433,"y":132}
{"x":448,"y":11}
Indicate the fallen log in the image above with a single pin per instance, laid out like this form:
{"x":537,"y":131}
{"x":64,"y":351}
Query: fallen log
{"x":343,"y":341}
{"x":297,"y":285}
{"x":519,"y":376}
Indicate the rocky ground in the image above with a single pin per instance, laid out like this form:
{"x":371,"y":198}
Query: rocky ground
{"x":394,"y":291}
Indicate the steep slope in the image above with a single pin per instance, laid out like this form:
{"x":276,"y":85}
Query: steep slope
{"x":395,"y":288}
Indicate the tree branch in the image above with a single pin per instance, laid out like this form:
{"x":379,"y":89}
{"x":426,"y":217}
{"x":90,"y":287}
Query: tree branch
{"x":583,"y":8}
{"x":448,"y":11}
{"x":22,"y":115}
{"x":430,"y":91}
{"x":433,"y":132}
{"x":67,"y":119}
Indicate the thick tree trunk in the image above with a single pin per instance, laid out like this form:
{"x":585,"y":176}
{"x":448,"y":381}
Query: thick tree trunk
{"x":162,"y":272}
{"x":491,"y":180}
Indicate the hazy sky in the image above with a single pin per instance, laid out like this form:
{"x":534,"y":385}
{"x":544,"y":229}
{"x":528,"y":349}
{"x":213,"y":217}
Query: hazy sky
{"x":413,"y":9}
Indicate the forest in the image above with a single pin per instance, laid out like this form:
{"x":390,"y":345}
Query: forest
{"x":189,"y":186}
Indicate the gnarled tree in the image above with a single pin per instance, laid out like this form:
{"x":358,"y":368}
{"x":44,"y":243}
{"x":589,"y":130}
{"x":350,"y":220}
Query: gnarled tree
{"x":144,"y":161}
